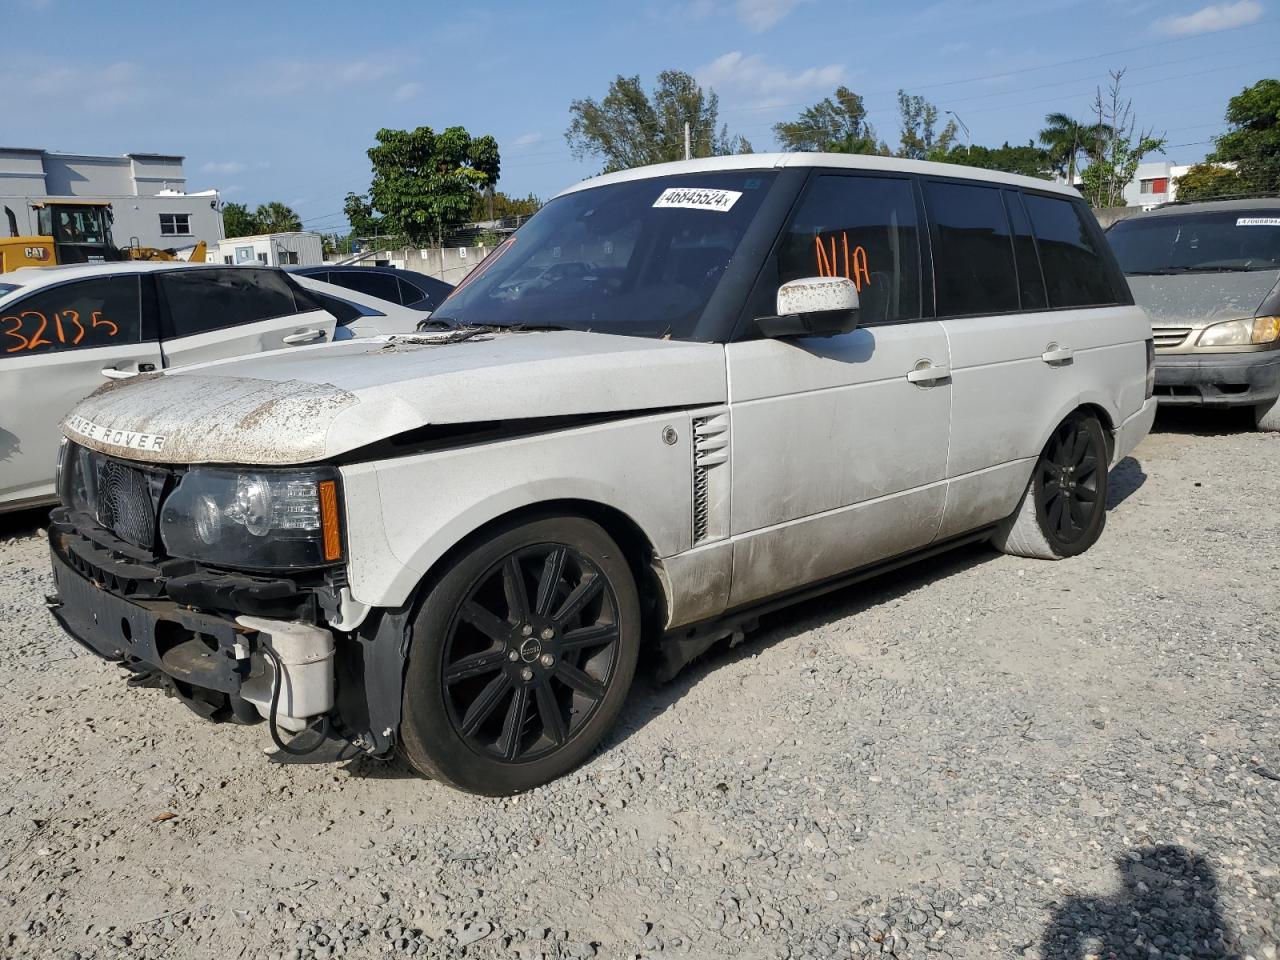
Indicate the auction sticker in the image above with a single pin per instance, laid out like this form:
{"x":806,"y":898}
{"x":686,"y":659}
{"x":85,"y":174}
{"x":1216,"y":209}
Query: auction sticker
{"x":128,"y":439}
{"x":1250,"y":221}
{"x":698,"y":198}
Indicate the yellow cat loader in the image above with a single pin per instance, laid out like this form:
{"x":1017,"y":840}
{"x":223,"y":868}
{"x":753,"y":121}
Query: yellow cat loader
{"x":74,"y":231}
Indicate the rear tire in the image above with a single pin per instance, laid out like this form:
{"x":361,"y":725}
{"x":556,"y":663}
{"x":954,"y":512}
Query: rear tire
{"x":1064,"y":508}
{"x":1266,"y":416}
{"x":521,"y":657}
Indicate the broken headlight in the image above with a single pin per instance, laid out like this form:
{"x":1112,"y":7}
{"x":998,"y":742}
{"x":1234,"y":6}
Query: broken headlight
{"x":254,"y":520}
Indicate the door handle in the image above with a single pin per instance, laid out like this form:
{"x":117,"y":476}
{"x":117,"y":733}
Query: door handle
{"x":1056,"y":354}
{"x":927,"y":371}
{"x":304,"y":336}
{"x":113,"y":373}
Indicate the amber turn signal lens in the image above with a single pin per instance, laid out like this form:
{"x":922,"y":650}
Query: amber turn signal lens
{"x":329,"y":520}
{"x":1266,"y":329}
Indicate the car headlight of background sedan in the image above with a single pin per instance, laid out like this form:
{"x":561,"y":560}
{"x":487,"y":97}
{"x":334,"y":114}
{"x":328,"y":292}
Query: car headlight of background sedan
{"x":254,"y":520}
{"x":1241,"y":333}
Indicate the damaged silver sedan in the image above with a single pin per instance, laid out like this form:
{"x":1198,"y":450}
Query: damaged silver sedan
{"x":678,"y":397}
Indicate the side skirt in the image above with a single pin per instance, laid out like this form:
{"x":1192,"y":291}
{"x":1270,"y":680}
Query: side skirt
{"x":678,"y":647}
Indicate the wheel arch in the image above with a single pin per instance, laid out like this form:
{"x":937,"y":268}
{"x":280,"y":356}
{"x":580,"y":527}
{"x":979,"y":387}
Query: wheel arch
{"x":637,"y":547}
{"x":1087,"y":406}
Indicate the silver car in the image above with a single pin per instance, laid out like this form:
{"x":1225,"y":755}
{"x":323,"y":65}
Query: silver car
{"x":1209,"y":275}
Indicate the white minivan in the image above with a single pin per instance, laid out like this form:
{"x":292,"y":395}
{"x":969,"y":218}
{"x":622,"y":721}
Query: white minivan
{"x":744,"y":380}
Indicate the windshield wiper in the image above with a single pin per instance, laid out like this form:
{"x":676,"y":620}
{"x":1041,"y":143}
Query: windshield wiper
{"x":1170,"y":271}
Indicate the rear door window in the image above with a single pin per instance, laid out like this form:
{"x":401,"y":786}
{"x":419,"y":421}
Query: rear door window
{"x":1075,"y":273}
{"x":973,"y":264}
{"x":102,"y":312}
{"x":1030,"y":280}
{"x":199,"y":301}
{"x":380,"y":285}
{"x":862,"y":228}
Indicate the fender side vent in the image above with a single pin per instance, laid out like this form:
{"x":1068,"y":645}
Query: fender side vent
{"x":710,"y":450}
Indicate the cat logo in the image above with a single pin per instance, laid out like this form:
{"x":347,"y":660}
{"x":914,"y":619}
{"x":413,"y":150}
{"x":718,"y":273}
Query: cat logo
{"x":36,"y":253}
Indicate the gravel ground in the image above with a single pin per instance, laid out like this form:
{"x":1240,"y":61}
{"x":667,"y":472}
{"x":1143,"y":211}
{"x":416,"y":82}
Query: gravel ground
{"x":979,"y":756}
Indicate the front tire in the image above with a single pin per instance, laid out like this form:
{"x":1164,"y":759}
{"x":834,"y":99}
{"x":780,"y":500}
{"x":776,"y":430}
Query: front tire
{"x":521,"y":657}
{"x":1064,"y":508}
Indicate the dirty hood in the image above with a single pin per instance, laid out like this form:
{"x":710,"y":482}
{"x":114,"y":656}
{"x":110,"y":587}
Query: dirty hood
{"x":312,"y":403}
{"x":1196,"y":299}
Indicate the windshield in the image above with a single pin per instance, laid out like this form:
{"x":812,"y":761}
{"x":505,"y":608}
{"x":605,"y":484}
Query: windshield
{"x":1223,"y":240}
{"x":641,"y":257}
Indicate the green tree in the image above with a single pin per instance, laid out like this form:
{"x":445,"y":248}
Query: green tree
{"x":359,"y":212}
{"x":628,"y":128}
{"x":1029,"y":160}
{"x":1117,"y":148}
{"x":1253,"y":141}
{"x":920,"y":138}
{"x":504,"y":206}
{"x":425,"y":182}
{"x":275,"y":217}
{"x":238,"y":221}
{"x":831,"y":126}
{"x":1208,"y":181}
{"x":1066,"y":138}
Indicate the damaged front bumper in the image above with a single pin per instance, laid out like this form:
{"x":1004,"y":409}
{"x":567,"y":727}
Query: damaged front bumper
{"x":222,"y":662}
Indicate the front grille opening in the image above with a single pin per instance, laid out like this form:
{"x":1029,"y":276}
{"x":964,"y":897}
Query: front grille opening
{"x":1231,"y":387}
{"x":1177,"y":390}
{"x":124,"y":503}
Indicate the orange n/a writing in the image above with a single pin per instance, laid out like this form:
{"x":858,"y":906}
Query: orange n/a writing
{"x":855,"y":261}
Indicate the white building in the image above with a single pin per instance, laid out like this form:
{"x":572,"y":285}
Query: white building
{"x":302,"y":248}
{"x":147,"y":192}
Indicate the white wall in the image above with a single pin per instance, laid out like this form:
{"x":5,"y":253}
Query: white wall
{"x":272,"y":249}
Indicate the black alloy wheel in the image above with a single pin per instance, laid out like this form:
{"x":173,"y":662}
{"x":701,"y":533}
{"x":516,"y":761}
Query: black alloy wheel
{"x":1070,"y":486}
{"x":521,"y":656}
{"x":532,"y":650}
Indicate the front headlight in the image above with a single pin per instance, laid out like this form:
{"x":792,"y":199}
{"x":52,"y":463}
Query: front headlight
{"x":254,"y":520}
{"x":1241,"y":333}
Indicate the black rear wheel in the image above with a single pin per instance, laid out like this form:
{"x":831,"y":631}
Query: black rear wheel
{"x":1070,"y":476}
{"x":1064,"y":508}
{"x":522,"y":655}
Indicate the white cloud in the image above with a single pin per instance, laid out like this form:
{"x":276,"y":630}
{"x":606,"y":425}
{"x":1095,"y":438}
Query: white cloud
{"x":222,"y":166}
{"x":1216,"y":16}
{"x":406,"y":91}
{"x":751,"y":77}
{"x":526,"y":139}
{"x":760,"y":15}
{"x":287,"y":77}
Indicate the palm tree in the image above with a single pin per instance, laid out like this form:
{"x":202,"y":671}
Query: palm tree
{"x":1064,"y":137}
{"x":275,"y":217}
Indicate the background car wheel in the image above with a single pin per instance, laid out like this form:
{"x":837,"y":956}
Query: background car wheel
{"x":1064,"y":508}
{"x":1266,"y":416}
{"x":521,"y":657}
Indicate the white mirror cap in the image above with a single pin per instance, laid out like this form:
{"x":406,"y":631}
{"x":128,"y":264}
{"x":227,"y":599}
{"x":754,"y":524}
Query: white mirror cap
{"x":816,"y":295}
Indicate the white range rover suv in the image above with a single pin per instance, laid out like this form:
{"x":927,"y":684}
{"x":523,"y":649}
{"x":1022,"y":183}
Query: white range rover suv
{"x":753,"y":379}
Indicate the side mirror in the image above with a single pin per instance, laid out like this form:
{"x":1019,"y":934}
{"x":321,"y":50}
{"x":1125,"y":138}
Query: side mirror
{"x":813,"y":307}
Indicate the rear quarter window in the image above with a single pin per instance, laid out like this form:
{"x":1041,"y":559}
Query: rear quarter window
{"x":101,"y":312}
{"x":1076,"y":274}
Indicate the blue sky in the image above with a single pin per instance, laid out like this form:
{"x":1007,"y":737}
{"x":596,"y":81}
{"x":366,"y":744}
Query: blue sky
{"x":279,"y":101}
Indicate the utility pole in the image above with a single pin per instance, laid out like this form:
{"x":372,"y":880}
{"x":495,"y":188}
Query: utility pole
{"x":688,"y":147}
{"x":968,"y":140}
